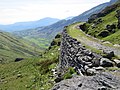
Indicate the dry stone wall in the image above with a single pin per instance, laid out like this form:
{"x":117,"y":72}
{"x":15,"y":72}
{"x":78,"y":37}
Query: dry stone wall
{"x":86,"y":63}
{"x":74,"y":54}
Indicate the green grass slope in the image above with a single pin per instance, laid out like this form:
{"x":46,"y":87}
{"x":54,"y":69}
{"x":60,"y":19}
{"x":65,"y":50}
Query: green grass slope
{"x":99,"y":25}
{"x":31,"y":73}
{"x":43,"y":43}
{"x":114,"y":38}
{"x":32,"y":36}
{"x":12,"y":47}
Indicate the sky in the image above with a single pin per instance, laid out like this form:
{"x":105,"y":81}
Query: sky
{"x":12,"y":11}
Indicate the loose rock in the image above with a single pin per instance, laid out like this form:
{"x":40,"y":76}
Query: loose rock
{"x":104,"y":62}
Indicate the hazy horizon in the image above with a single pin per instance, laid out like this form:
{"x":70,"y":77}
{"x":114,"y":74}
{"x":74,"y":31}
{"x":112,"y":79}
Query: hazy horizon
{"x":13,"y":11}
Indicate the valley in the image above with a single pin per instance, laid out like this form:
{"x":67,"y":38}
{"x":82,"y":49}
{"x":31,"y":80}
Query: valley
{"x":12,"y":47}
{"x":76,"y":53}
{"x":31,"y":73}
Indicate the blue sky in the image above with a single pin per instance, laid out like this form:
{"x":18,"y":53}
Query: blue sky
{"x":29,"y":10}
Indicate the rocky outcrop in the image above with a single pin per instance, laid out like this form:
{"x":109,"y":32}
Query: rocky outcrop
{"x":111,"y":28}
{"x":104,"y":12}
{"x":104,"y":33}
{"x":102,"y":81}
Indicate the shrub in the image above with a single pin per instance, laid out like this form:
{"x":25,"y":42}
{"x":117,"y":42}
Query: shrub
{"x":69,"y":73}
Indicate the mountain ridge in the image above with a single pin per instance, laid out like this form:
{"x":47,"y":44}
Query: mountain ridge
{"x":28,"y":25}
{"x":42,"y":72}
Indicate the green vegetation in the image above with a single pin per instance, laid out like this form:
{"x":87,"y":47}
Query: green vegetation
{"x":114,"y":38}
{"x":32,"y":73}
{"x":12,"y":47}
{"x":81,"y":36}
{"x":94,"y":30}
{"x":35,"y":36}
{"x":35,"y":71}
{"x":69,"y":73}
{"x":104,"y":26}
{"x":41,"y":42}
{"x":107,"y":24}
{"x":74,"y":32}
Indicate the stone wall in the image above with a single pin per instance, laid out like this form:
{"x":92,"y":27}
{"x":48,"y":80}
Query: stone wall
{"x":85,"y":62}
{"x":118,"y":16}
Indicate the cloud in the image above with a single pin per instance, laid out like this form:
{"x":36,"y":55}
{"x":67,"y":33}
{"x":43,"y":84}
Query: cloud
{"x":29,"y":10}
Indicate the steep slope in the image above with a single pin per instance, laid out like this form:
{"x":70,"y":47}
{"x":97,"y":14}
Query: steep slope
{"x":105,"y":24}
{"x":12,"y":47}
{"x":49,"y":32}
{"x":33,"y":73}
{"x":28,"y":25}
{"x":84,"y":16}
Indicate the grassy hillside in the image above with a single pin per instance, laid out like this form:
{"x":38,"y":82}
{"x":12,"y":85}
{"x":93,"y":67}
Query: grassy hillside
{"x":32,"y":36}
{"x":31,"y":73}
{"x":12,"y":47}
{"x":43,"y":43}
{"x":104,"y":25}
{"x":114,"y":38}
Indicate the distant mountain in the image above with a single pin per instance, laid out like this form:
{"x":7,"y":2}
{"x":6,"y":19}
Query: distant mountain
{"x":69,"y":17}
{"x":50,"y":31}
{"x":84,"y":16}
{"x":113,"y":1}
{"x":28,"y":25}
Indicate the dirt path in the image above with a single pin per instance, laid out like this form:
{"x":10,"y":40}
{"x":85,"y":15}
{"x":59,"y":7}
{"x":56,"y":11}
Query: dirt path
{"x":87,"y":40}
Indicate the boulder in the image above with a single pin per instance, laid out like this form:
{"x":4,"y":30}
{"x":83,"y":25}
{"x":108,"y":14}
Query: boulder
{"x":102,"y":88}
{"x":108,"y":54}
{"x":86,"y":58}
{"x":104,"y":33}
{"x":58,"y":36}
{"x":91,"y":72}
{"x":117,"y":62}
{"x":111,"y":28}
{"x":53,"y":43}
{"x":58,"y":79}
{"x":59,"y":43}
{"x":116,"y":45}
{"x":104,"y":62}
{"x":96,"y":62}
{"x":99,"y":68}
{"x":102,"y":81}
{"x":83,"y":27}
{"x":19,"y":76}
{"x":98,"y":22}
{"x":19,"y":59}
{"x":106,"y":42}
{"x":88,"y":53}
